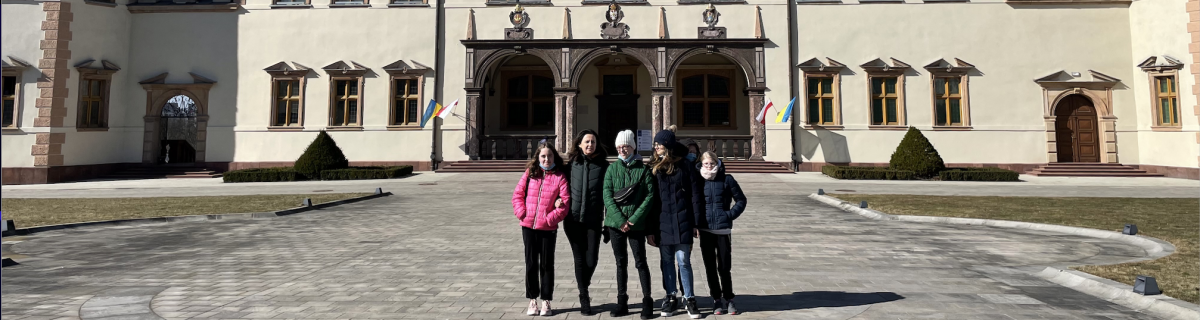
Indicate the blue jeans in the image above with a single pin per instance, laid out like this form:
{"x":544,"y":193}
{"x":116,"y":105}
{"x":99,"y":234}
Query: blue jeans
{"x":683,"y":254}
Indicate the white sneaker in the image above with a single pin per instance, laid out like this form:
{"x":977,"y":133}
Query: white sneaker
{"x":546,"y":308}
{"x":533,"y":308}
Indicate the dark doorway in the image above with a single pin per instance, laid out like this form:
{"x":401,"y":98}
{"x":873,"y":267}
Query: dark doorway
{"x":1076,"y":130}
{"x":617,"y":108}
{"x":178,"y":128}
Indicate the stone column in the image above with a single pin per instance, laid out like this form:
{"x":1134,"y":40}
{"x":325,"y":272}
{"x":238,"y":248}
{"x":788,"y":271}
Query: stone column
{"x":150,"y":140}
{"x":52,"y":87}
{"x":201,"y":137}
{"x":473,"y":122}
{"x":661,"y":112}
{"x":560,"y":122}
{"x":758,"y":131}
{"x":567,"y":97}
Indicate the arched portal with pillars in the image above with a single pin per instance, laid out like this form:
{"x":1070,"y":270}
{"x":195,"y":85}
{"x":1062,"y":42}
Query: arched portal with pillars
{"x":1081,"y":110}
{"x":568,"y":59}
{"x":158,"y":95}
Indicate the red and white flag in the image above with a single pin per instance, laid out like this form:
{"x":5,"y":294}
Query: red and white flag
{"x":447,"y":110}
{"x":762,"y":115}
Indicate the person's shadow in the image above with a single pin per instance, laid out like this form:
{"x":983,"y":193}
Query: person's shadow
{"x":757,"y":303}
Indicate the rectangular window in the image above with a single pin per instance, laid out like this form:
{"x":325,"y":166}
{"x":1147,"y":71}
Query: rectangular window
{"x":91,"y":102}
{"x":884,"y":101}
{"x":1167,"y":100}
{"x":345,"y":108}
{"x":947,"y":94}
{"x":706,"y":100}
{"x":287,"y":103}
{"x":529,"y":101}
{"x":820,"y":101}
{"x":10,"y":102}
{"x":406,"y":102}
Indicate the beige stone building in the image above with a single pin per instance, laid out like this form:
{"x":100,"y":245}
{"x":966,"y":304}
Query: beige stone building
{"x":93,"y":87}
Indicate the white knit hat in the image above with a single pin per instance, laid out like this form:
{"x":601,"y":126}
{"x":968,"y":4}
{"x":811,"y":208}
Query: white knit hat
{"x":625,"y":138}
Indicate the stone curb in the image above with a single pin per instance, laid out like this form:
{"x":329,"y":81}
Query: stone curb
{"x":205,"y":217}
{"x":1116,"y":292}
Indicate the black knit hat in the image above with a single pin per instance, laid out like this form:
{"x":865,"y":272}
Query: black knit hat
{"x":666,"y":138}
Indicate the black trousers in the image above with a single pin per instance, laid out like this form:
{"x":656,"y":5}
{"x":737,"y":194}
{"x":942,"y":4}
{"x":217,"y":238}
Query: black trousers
{"x":717,"y":258}
{"x":585,"y":247}
{"x":636,"y":242}
{"x":539,"y":263}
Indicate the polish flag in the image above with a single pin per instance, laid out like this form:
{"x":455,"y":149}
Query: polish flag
{"x":447,"y":110}
{"x":762,"y":115}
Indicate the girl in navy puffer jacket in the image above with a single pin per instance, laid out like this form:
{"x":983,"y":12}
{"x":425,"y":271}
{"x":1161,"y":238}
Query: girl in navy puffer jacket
{"x":723,"y":203}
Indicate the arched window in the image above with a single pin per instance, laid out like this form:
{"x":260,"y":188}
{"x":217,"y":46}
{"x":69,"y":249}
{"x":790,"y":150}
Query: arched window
{"x":528,"y":101}
{"x":706,"y":99}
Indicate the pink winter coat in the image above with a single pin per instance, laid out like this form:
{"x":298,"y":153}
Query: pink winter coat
{"x":535,"y":208}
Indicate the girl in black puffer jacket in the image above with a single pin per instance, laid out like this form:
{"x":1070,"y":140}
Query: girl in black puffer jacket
{"x":723,"y":203}
{"x":679,"y":189}
{"x":588,"y":163}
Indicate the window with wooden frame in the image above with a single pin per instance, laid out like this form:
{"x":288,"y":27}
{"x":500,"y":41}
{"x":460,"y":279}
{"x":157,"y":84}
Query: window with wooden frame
{"x":886,"y":104}
{"x":9,"y":117}
{"x":948,"y":101}
{"x":1166,"y":101}
{"x":348,"y":3}
{"x":94,"y":83}
{"x":288,"y":101}
{"x":290,"y":3}
{"x":706,"y":99}
{"x":822,"y":100}
{"x":528,"y":100}
{"x":406,"y":102}
{"x":345,"y":107}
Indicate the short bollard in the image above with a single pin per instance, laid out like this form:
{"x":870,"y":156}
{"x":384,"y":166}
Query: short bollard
{"x":307,"y":202}
{"x":1146,"y":286}
{"x":9,"y":228}
{"x":820,"y":192}
{"x":1130,"y":229}
{"x":862,"y":205}
{"x":378,"y":190}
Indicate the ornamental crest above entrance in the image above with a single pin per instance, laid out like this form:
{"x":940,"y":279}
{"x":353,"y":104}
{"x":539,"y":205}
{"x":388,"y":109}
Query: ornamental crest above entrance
{"x":614,"y":29}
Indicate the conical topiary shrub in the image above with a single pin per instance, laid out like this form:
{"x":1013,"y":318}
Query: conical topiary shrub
{"x":322,"y":154}
{"x":916,"y":154}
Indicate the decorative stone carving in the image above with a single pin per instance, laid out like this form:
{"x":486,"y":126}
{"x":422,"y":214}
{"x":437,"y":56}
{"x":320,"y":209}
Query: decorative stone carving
{"x":519,"y":19}
{"x":712,"y":31}
{"x":614,"y":29}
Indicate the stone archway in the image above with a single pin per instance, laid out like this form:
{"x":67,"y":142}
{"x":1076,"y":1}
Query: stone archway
{"x":158,"y":93}
{"x":1062,"y":89}
{"x":1076,"y":130}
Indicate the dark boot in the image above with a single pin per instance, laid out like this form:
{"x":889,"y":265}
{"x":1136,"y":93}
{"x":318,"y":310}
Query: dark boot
{"x":622,"y":306}
{"x":585,"y":305}
{"x":647,"y":308}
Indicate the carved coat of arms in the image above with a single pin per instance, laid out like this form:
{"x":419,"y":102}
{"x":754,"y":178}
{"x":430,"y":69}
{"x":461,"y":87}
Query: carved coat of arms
{"x":614,"y":28}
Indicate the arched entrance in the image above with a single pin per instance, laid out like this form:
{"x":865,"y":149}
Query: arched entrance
{"x":1076,"y":129}
{"x":178,"y":128}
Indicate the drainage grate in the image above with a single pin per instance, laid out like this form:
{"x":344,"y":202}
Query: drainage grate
{"x":844,"y":190}
{"x":427,"y":184}
{"x":322,"y":190}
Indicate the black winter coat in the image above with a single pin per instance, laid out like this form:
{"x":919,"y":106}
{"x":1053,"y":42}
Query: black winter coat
{"x":586,"y":181}
{"x":723,"y":201}
{"x":682,"y":197}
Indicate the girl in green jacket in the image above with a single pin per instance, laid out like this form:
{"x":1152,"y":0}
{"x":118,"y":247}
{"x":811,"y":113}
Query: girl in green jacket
{"x":630,"y":220}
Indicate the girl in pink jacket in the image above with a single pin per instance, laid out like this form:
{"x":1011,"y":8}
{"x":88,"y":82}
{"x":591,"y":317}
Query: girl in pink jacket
{"x":540,"y":202}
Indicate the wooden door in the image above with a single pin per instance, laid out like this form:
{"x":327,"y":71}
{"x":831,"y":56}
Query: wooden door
{"x":617,"y":109}
{"x":1077,"y":130}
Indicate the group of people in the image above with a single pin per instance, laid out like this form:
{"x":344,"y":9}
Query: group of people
{"x":680,"y":195}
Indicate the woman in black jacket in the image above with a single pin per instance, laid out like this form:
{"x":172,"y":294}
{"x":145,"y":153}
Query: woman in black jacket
{"x":682,"y":199}
{"x":724,"y":202}
{"x":588,"y":163}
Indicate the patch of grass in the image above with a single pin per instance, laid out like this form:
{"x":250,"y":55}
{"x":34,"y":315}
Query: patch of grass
{"x":27,"y":213}
{"x":1173,"y":220}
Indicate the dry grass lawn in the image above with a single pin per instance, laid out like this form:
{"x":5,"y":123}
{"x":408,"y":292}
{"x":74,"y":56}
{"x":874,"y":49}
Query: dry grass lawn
{"x":27,"y":213}
{"x":1174,"y":220}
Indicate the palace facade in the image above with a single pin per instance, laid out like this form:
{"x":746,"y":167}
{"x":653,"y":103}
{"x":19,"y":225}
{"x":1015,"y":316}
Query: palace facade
{"x":94,"y":86}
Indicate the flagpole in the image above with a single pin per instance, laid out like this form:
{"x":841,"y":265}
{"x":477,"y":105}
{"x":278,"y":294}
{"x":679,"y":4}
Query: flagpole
{"x":439,"y":52}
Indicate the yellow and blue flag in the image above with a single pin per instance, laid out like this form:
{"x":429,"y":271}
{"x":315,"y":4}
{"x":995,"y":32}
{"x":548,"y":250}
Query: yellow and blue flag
{"x":430,"y":110}
{"x":787,"y":113}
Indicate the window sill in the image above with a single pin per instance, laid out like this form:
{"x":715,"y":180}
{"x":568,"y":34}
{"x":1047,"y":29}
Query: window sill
{"x":343,"y":128}
{"x":527,"y":3}
{"x":951,"y":128}
{"x":947,"y":1}
{"x":284,"y":129}
{"x":11,"y":130}
{"x":880,"y":1}
{"x":350,"y":5}
{"x":91,"y":129}
{"x":101,"y":3}
{"x":404,"y":128}
{"x":826,"y":127}
{"x":711,"y":1}
{"x":291,"y":6}
{"x":408,"y":5}
{"x":602,"y":2}
{"x":1166,"y":128}
{"x":893,"y":128}
{"x":818,"y":2}
{"x":164,"y":7}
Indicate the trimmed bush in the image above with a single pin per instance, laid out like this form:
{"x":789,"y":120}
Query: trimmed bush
{"x":262,"y":175}
{"x":322,"y":154}
{"x":357,"y":173}
{"x":978,"y":174}
{"x":916,"y":154}
{"x":867,"y":173}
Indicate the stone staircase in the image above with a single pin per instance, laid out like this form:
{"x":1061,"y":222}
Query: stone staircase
{"x":1090,"y":170}
{"x":165,"y":171}
{"x":731,"y":166}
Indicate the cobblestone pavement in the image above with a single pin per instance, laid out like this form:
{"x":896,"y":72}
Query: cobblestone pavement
{"x":450,"y":249}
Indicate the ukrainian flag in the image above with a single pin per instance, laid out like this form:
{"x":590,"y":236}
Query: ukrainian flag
{"x":787,"y":113}
{"x":430,"y":110}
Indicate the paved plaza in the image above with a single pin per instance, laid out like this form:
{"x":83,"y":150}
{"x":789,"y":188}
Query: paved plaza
{"x":446,"y":246}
